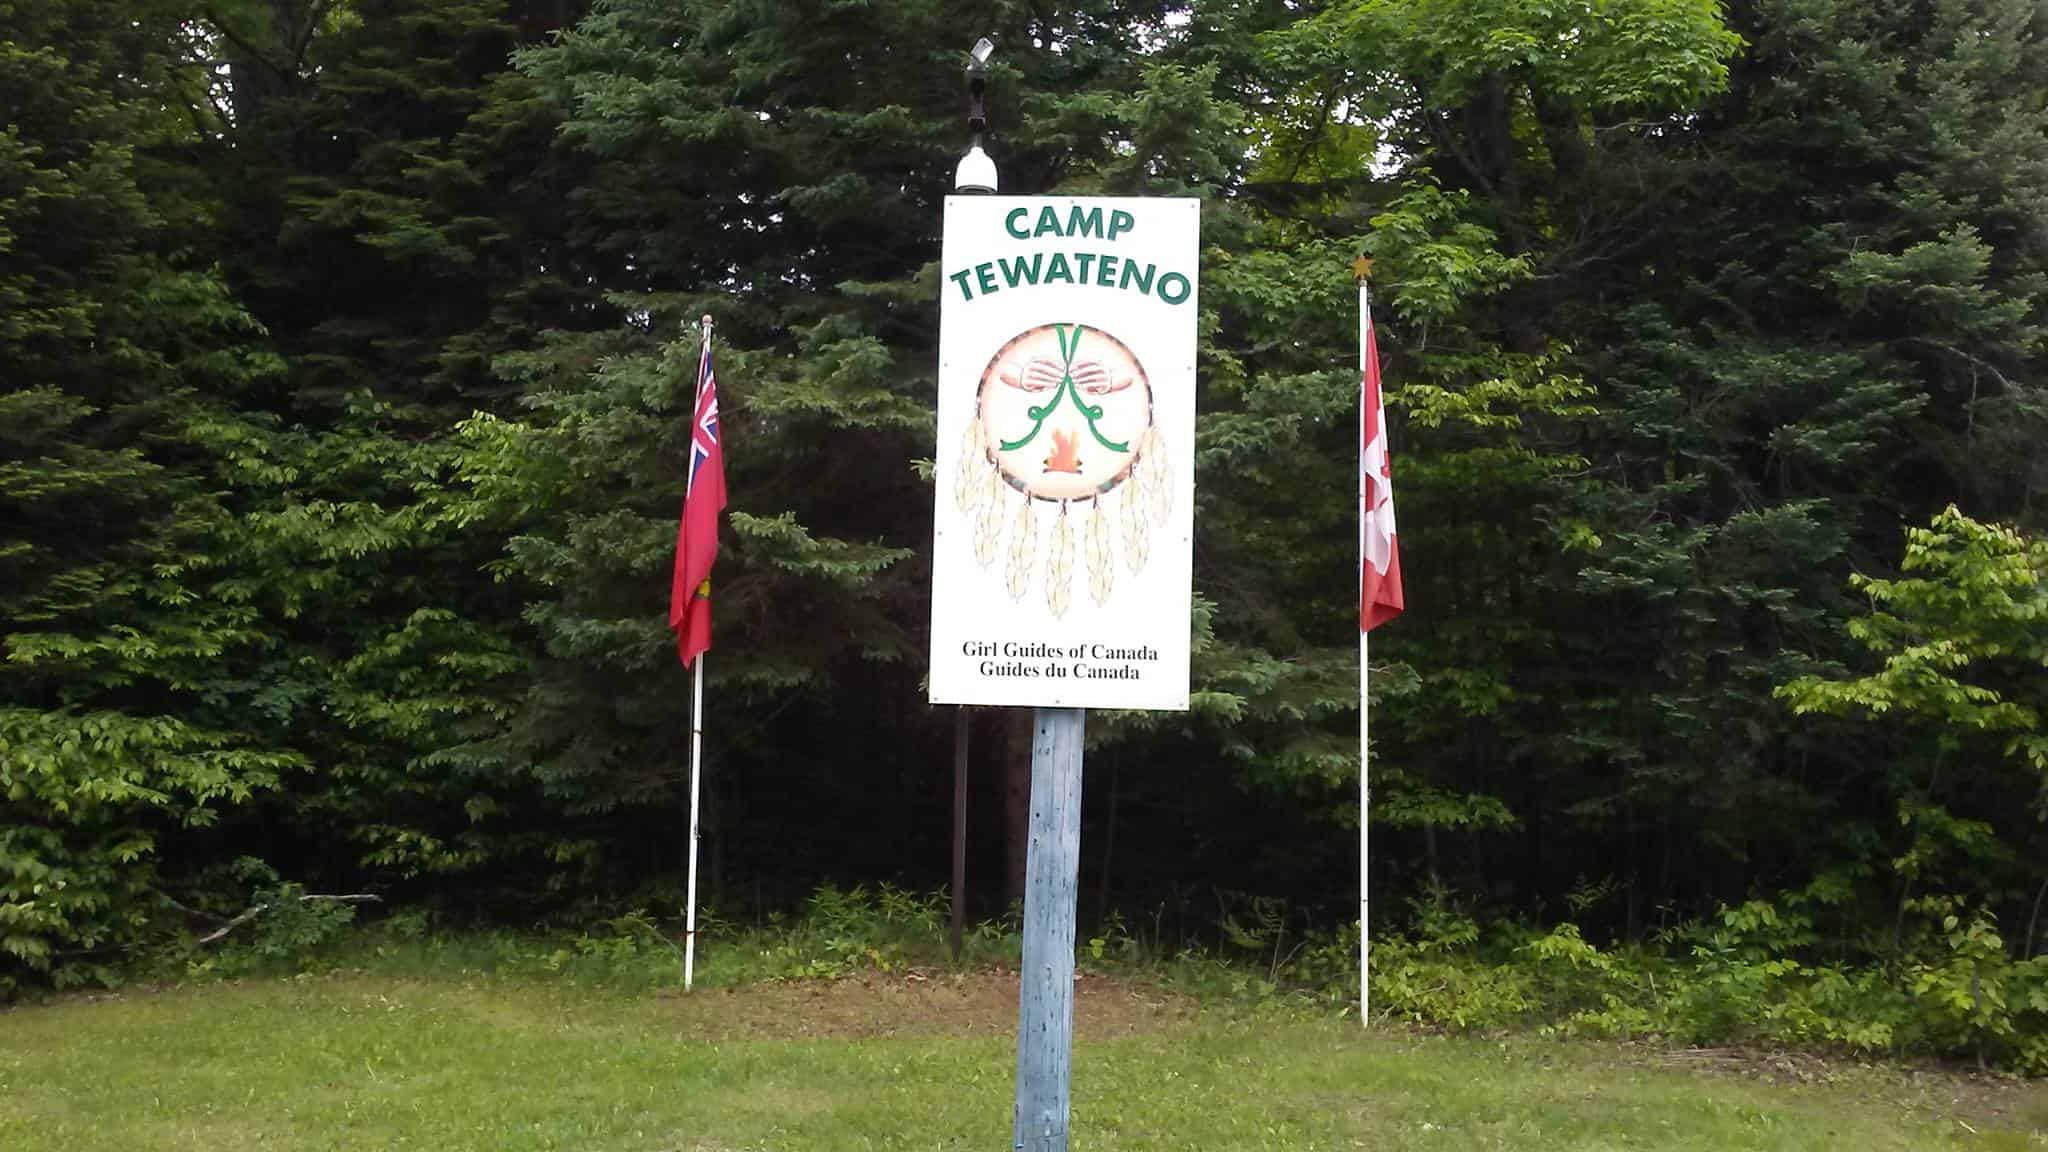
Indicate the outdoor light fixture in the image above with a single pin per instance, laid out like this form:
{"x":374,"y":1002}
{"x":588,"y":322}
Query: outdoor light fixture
{"x":976,"y":173}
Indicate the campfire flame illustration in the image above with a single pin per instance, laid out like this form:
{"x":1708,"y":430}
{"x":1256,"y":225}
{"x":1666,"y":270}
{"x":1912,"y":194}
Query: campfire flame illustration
{"x":1066,"y":456}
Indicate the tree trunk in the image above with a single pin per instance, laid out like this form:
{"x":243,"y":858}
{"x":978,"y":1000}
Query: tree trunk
{"x":1436,"y":875}
{"x":1108,"y":846}
{"x":1016,"y":799}
{"x":1632,"y":929}
{"x":2034,"y":921}
{"x":263,"y":59}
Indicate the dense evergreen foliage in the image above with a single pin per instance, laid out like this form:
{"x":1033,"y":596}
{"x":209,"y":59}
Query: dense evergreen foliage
{"x":347,"y":346}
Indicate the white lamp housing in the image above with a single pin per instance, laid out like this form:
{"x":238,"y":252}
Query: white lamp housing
{"x":976,"y":173}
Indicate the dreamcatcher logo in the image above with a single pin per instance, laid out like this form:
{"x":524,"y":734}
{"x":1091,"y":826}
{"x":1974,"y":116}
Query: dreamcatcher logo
{"x":1063,"y":424}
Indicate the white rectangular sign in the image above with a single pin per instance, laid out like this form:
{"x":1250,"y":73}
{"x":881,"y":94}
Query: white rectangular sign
{"x":1063,"y":528}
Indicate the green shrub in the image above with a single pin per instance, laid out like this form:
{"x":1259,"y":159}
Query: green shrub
{"x":1747,"y":976}
{"x":84,"y":799}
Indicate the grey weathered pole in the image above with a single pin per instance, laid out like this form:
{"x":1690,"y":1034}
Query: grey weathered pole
{"x":1045,"y":1011}
{"x":959,"y":827}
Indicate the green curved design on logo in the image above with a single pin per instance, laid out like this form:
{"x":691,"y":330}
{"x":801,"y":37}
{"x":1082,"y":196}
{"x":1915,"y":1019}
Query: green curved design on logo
{"x":1038,"y":413}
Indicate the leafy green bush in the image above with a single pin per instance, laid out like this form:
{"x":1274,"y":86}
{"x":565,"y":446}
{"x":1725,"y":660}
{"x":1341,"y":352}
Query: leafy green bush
{"x":1745,"y":976}
{"x":83,"y":801}
{"x":1971,"y":997}
{"x":843,"y":931}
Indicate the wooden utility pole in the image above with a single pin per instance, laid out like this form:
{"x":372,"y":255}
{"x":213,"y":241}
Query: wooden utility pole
{"x":1045,"y":1021}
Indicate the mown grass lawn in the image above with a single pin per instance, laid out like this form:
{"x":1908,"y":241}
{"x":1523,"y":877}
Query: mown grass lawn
{"x":352,"y":1061}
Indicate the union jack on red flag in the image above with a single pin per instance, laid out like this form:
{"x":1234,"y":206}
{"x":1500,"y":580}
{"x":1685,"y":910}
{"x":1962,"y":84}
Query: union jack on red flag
{"x":689,"y":603}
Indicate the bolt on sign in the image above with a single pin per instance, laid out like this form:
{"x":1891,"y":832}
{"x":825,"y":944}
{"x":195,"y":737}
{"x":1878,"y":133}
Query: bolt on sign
{"x":1061,"y":572}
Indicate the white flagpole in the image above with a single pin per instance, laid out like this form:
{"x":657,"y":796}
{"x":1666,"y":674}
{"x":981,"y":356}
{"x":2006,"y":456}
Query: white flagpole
{"x":1364,"y":866}
{"x":1364,"y":677}
{"x":696,"y":759}
{"x":696,"y":717}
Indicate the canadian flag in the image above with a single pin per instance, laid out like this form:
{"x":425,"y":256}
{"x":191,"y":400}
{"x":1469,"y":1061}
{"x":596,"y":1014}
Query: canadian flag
{"x":1379,"y":553}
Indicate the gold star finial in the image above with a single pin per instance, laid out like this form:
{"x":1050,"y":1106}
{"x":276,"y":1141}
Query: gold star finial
{"x":1362,"y":268}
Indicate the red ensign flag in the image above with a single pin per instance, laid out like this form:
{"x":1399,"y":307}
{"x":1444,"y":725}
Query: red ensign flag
{"x":1379,"y":554}
{"x":689,"y":597}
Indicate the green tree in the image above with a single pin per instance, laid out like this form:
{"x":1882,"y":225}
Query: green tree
{"x":398,"y":204}
{"x":1962,"y":636}
{"x":1456,"y":142}
{"x":1818,"y":318}
{"x":117,"y":716}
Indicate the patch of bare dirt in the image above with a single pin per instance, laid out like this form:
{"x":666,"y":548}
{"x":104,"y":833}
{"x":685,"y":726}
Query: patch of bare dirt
{"x":872,"y":1004}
